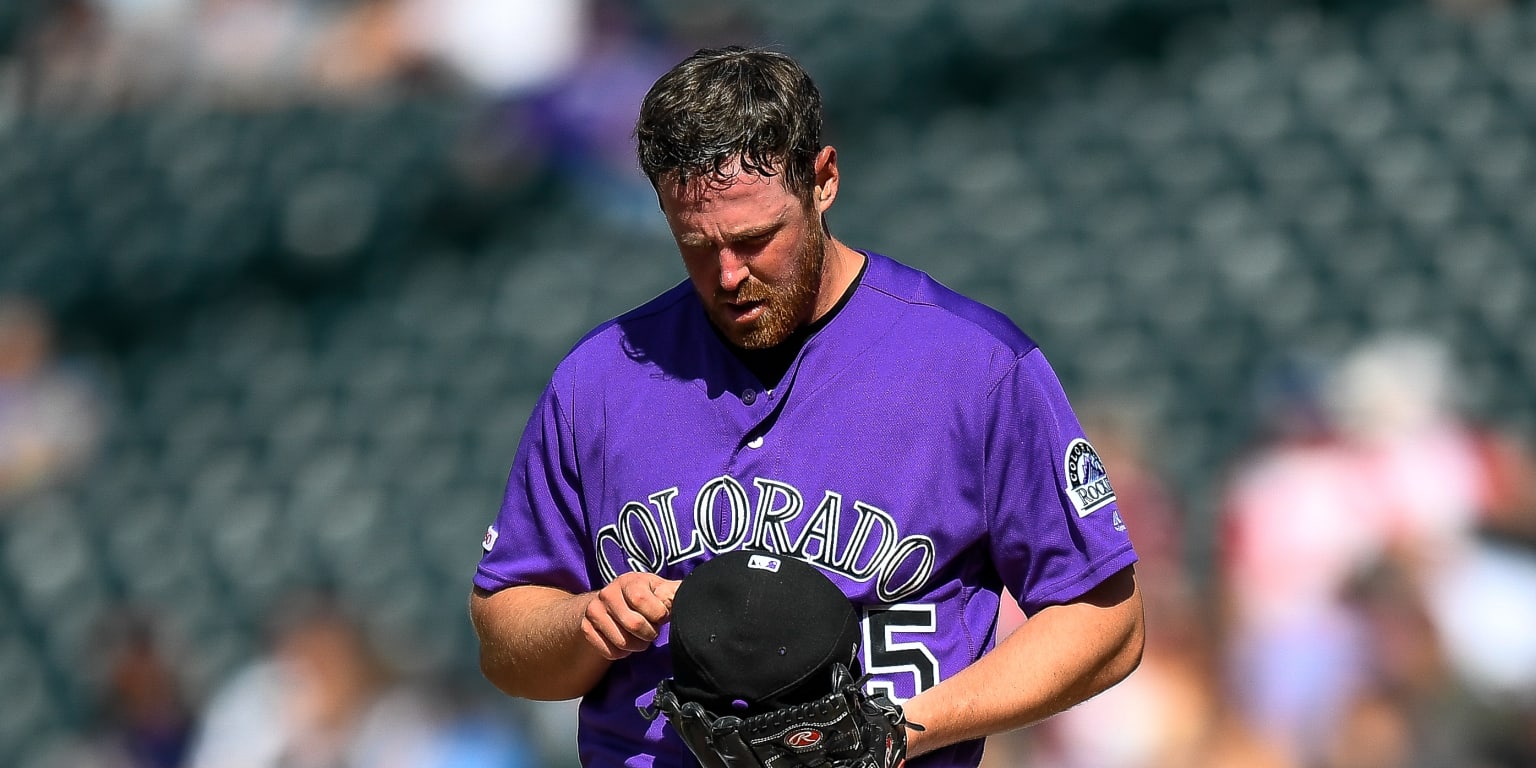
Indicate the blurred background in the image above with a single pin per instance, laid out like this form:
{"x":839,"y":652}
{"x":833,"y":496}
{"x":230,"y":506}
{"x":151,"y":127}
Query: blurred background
{"x":282,"y":279}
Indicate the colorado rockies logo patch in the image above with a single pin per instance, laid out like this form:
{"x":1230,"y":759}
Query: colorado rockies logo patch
{"x":1087,"y":483}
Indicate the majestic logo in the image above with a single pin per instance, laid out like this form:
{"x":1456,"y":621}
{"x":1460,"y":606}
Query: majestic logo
{"x":850,"y":538}
{"x":805,"y":738}
{"x":490,"y":538}
{"x":1087,"y":482}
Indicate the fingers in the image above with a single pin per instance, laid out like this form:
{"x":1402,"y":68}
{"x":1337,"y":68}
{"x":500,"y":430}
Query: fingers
{"x":666,"y":590}
{"x":625,"y":616}
{"x":604,"y":634}
{"x":651,"y":598}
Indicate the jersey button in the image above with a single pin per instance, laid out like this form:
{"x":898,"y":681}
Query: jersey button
{"x":756,"y":442}
{"x":749,"y":397}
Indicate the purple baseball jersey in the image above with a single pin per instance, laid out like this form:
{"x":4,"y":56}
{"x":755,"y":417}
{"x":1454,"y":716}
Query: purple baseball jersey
{"x":919,"y":451}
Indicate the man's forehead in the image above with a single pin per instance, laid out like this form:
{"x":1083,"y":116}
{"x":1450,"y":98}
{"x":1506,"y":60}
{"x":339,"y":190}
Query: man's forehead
{"x":729,"y":205}
{"x":728,"y":184}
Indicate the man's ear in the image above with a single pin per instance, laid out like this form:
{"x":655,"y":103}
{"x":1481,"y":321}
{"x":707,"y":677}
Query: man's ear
{"x":825,"y":168}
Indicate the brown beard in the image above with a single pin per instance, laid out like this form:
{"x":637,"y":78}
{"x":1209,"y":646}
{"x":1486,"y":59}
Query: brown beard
{"x":788,"y":305}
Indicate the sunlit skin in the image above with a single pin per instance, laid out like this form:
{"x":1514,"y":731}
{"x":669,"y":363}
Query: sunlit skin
{"x":758,"y":254}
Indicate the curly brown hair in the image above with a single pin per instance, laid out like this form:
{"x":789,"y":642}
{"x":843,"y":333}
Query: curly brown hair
{"x":754,"y":105}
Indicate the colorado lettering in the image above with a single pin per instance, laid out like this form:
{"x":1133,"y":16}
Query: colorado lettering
{"x":856,"y":540}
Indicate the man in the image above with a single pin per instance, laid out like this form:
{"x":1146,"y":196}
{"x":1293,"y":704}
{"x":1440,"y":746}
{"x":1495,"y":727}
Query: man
{"x":799,"y":396}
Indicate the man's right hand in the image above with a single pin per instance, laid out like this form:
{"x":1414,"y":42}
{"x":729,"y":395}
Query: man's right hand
{"x":626,"y":615}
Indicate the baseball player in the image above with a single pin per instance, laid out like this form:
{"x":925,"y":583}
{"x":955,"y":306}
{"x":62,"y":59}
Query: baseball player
{"x":800,"y":397}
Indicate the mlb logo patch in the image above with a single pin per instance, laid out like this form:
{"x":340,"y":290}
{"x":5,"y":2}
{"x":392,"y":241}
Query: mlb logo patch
{"x":764,"y":563}
{"x":1087,"y":482}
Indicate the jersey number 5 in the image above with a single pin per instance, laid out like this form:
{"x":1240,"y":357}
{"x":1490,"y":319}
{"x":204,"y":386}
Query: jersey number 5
{"x":883,"y":655}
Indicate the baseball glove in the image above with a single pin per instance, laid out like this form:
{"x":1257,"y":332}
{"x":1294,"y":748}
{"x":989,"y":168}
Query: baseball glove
{"x":847,"y":728}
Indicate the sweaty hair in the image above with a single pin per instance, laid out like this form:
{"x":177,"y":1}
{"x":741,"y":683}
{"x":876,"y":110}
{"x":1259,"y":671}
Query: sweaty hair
{"x":723,"y":104}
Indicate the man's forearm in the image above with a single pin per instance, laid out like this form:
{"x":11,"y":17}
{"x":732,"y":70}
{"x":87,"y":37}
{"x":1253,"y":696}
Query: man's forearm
{"x":1061,"y":656}
{"x":531,"y":643}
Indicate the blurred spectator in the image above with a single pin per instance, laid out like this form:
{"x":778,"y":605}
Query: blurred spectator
{"x":147,"y":716}
{"x":252,"y":49}
{"x":1411,"y":711}
{"x":105,"y":53}
{"x":1429,"y":486}
{"x":501,"y":47}
{"x":577,"y":126}
{"x":66,"y":57}
{"x":1162,"y":715}
{"x":369,"y":47}
{"x":1361,"y":601}
{"x":322,"y":698}
{"x":50,"y":416}
{"x":1410,"y":453}
{"x":1292,"y":538}
{"x":1374,"y":732}
{"x":1509,"y":486}
{"x":583,"y":122}
{"x":1233,"y":742}
{"x":143,"y":720}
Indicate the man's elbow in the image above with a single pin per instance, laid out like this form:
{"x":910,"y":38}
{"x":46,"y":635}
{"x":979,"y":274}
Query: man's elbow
{"x":498,"y":675}
{"x":1126,"y":656}
{"x":502,"y":664}
{"x":1125,"y":629}
{"x":506,"y":678}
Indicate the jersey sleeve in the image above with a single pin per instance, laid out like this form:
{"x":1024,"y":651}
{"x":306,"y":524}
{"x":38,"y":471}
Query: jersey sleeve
{"x":1055,"y":526}
{"x":540,"y":533}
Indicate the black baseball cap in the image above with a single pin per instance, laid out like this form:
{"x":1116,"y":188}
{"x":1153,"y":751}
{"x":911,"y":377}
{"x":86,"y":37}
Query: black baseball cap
{"x":756,"y":631}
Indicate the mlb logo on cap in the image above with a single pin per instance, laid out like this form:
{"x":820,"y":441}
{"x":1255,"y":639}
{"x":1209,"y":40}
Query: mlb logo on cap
{"x":764,"y":563}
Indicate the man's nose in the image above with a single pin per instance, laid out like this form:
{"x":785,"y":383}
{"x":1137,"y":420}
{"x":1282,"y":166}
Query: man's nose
{"x":733,"y":270}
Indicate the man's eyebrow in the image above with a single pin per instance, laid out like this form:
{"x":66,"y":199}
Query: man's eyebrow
{"x":747,"y":233}
{"x":757,"y":231}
